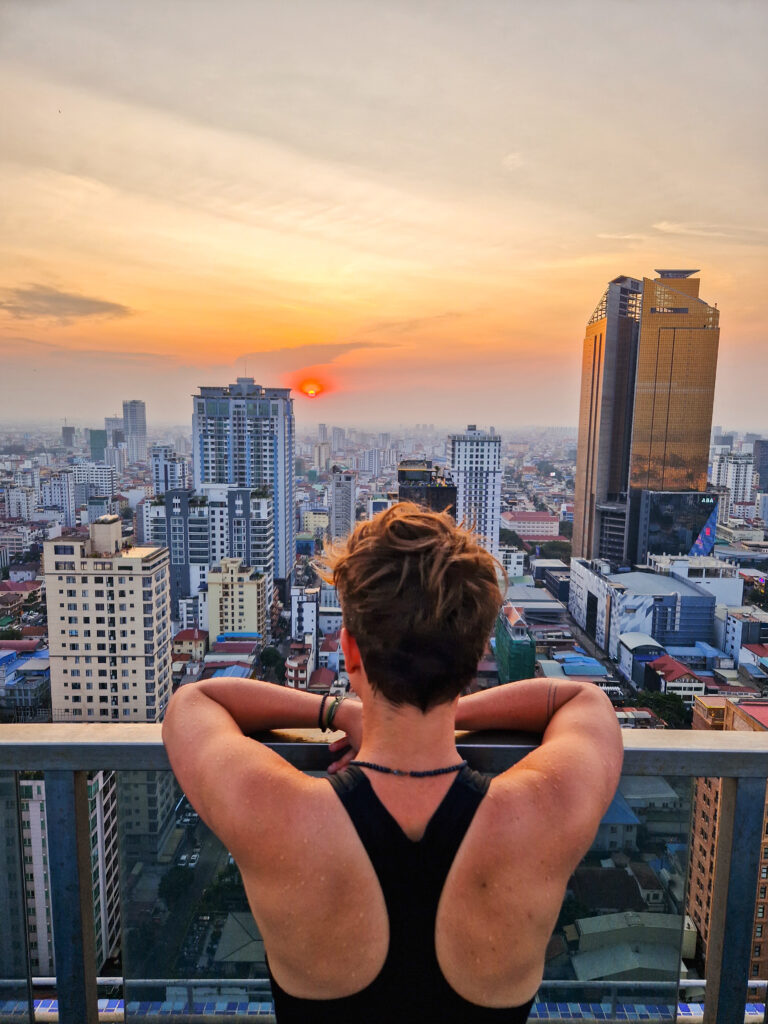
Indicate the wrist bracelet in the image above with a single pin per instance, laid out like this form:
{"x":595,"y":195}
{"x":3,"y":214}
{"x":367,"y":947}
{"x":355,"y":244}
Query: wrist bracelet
{"x":337,"y":702}
{"x":320,"y":724}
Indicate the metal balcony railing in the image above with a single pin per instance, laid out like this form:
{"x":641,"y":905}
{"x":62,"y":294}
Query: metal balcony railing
{"x":65,"y":754}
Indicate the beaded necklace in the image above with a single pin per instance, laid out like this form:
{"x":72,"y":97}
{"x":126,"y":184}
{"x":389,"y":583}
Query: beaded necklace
{"x":414,"y":775}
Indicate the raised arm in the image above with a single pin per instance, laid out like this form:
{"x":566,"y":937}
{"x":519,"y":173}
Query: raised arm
{"x":225,"y":774}
{"x":574,"y":772}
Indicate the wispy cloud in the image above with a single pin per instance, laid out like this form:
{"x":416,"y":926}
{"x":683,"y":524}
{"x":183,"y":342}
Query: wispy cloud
{"x":667,"y":227}
{"x":512,"y":161}
{"x":38,"y":301}
{"x":413,"y":324}
{"x":621,"y":238}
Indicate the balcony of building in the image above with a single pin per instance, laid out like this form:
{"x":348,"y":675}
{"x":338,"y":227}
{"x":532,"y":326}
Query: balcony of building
{"x":117,"y":832}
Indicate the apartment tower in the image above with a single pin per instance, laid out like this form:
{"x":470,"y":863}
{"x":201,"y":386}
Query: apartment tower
{"x":342,"y":501}
{"x":243,"y":435}
{"x":135,"y":429}
{"x":475,"y":464}
{"x":647,"y":387}
{"x":109,"y":648}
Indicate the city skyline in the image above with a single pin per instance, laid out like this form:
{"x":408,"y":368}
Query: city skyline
{"x":407,"y":206}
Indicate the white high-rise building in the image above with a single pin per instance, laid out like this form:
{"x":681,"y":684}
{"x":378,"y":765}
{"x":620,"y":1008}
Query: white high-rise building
{"x":101,"y":478}
{"x":475,"y":460}
{"x":21,"y":502}
{"x":58,"y":491}
{"x":135,"y":428}
{"x":117,"y":457}
{"x":338,"y":440}
{"x":170,"y":472}
{"x":114,"y":425}
{"x":102,"y":814}
{"x":342,"y":519}
{"x":735,"y":470}
{"x":243,"y":435}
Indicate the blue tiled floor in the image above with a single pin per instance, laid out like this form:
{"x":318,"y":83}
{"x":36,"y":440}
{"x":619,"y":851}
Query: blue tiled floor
{"x":256,"y":1008}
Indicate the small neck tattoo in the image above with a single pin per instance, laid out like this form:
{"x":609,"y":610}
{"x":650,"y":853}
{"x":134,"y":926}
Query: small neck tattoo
{"x":413,"y":775}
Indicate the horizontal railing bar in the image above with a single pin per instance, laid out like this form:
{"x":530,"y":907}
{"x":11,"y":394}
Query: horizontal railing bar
{"x":643,"y":986}
{"x":93,"y":746}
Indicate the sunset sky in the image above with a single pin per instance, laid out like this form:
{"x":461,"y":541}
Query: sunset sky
{"x":419,"y":203}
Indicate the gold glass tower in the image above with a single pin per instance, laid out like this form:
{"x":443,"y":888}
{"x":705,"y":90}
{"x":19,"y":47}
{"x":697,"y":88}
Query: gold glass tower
{"x":647,"y":390}
{"x":674,"y":385}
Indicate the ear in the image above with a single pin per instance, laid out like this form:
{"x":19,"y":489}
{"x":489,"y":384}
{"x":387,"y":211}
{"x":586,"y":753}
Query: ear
{"x":352,"y":658}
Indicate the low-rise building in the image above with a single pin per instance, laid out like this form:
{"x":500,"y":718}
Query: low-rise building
{"x":193,"y":642}
{"x":25,"y":686}
{"x":674,"y":677}
{"x":608,"y":604}
{"x":515,"y":647}
{"x":531,"y":525}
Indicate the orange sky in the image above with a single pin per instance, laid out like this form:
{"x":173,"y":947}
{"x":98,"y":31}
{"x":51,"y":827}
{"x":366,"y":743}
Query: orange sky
{"x":419,"y":203}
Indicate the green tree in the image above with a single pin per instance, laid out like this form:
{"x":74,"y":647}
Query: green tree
{"x":556,"y":549}
{"x":668,"y":706}
{"x":174,"y":884}
{"x":10,"y":634}
{"x":272,"y":660}
{"x":511,"y":539}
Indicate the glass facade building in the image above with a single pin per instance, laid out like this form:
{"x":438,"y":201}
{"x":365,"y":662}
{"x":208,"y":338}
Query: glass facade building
{"x":647,"y":389}
{"x":672,"y":523}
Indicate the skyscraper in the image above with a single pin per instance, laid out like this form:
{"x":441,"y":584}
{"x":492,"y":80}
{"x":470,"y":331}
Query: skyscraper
{"x":342,"y":499}
{"x":647,"y":389}
{"x":243,"y":434}
{"x":135,"y":429}
{"x":97,"y":441}
{"x":475,"y":462}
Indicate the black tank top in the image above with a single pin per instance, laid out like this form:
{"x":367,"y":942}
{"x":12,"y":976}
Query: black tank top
{"x":410,"y":987}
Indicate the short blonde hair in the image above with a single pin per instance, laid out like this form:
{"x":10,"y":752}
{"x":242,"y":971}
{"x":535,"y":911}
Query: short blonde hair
{"x":420,"y":596}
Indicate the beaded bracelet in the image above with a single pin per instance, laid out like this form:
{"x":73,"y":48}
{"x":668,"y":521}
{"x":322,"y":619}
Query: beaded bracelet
{"x":337,"y":702}
{"x":320,"y":725}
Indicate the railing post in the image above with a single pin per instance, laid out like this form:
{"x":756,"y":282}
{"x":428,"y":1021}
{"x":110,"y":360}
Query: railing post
{"x":739,"y":836}
{"x":69,"y":865}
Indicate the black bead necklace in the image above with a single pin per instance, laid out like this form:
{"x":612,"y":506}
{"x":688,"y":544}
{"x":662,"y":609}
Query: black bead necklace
{"x":414,"y":775}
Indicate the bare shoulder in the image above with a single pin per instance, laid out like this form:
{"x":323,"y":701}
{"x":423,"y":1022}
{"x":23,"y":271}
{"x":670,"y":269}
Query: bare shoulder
{"x":247,"y":794}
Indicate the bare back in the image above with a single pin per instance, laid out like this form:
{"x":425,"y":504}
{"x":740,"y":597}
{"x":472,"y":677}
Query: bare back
{"x":319,"y":905}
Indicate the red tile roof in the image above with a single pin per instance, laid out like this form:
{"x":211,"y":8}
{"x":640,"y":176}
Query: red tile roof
{"x":20,"y":587}
{"x":20,"y":646}
{"x":191,"y":634}
{"x":321,"y":679}
{"x":235,"y":647}
{"x":756,"y":711}
{"x":672,"y":669}
{"x":761,"y":650}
